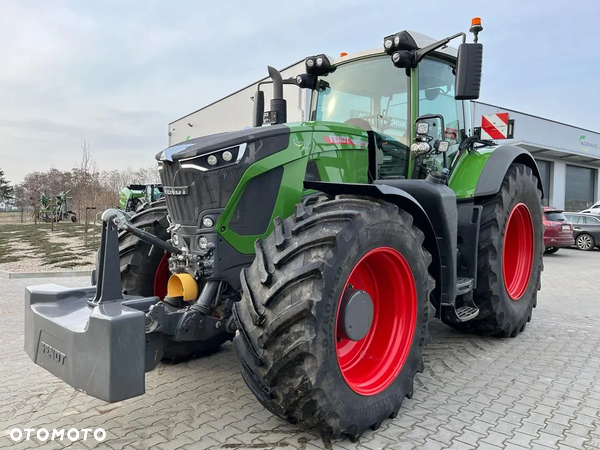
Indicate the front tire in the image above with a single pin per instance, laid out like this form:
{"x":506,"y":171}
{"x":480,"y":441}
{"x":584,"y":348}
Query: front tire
{"x":551,"y":250}
{"x":510,"y":259}
{"x":295,"y":352}
{"x":585,"y":242}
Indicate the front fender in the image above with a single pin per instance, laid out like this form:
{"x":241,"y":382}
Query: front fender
{"x":480,"y":173}
{"x":406,"y":202}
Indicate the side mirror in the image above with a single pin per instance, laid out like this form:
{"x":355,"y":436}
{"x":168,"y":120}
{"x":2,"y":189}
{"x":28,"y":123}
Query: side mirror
{"x":259,"y":108}
{"x":468,"y":71}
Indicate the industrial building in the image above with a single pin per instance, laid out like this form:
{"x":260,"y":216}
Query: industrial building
{"x":568,"y":156}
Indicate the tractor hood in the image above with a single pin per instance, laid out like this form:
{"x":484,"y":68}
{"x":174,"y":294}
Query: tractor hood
{"x":213,"y":142}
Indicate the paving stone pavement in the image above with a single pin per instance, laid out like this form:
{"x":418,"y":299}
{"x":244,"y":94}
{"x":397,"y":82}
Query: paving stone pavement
{"x":540,"y":390}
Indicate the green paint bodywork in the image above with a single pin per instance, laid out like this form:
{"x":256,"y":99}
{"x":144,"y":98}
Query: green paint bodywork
{"x":339,"y":151}
{"x":465,"y":176}
{"x":341,"y":155}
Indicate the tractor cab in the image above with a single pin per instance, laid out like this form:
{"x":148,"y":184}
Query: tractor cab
{"x":367,"y":91}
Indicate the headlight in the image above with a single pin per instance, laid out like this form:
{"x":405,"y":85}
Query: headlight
{"x":215,"y":160}
{"x":175,"y":240}
{"x":207,"y":222}
{"x":422,"y":128}
{"x":388,"y":44}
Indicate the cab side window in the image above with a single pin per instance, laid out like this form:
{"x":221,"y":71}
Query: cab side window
{"x":436,"y":96}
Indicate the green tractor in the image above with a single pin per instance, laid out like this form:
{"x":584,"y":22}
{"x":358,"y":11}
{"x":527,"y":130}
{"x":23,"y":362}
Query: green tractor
{"x":322,"y":248}
{"x":134,"y":196}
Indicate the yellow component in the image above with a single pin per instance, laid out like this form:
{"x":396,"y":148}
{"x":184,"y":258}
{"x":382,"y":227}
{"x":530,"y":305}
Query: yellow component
{"x":182,"y":285}
{"x":476,"y":21}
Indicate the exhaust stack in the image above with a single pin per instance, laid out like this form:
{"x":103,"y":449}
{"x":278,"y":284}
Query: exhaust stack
{"x":278,"y":103}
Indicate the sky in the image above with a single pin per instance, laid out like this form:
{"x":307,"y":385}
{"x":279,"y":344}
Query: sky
{"x":116,"y":73}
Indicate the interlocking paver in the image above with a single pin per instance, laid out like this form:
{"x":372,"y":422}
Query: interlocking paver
{"x":539,"y":390}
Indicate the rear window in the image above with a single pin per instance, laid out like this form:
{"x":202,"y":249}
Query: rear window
{"x":555,"y":217}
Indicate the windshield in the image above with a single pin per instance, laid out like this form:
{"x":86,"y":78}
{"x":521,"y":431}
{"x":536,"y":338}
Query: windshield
{"x":371,"y":89}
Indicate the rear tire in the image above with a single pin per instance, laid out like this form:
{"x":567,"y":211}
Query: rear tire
{"x":294,"y":356}
{"x":585,"y":242}
{"x":551,"y":250}
{"x":506,"y":302}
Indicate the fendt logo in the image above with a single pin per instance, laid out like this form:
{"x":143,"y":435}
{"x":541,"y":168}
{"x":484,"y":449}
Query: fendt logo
{"x":53,"y":354}
{"x":176,"y":190}
{"x":587,"y":145}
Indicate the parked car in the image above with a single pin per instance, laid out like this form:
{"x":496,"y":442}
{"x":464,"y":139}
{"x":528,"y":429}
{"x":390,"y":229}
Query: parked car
{"x":595,"y":209}
{"x":558,"y":232}
{"x":586,"y":230}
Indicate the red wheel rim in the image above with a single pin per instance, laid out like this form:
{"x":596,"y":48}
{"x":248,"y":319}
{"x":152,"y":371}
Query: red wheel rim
{"x":161,"y":277}
{"x":517,"y":254}
{"x":371,"y":364}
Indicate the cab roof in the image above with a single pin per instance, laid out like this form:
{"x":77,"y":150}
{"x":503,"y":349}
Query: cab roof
{"x":421,"y":40}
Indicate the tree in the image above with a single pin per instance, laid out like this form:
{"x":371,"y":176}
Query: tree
{"x":6,"y":190}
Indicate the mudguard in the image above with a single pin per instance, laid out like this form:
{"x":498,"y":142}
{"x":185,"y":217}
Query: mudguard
{"x":408,"y":203}
{"x":497,"y":165}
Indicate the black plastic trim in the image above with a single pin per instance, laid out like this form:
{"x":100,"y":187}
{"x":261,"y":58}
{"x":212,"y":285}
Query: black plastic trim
{"x":492,"y":175}
{"x":469,"y":222}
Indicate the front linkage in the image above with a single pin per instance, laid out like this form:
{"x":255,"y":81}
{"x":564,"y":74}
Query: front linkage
{"x":102,"y":342}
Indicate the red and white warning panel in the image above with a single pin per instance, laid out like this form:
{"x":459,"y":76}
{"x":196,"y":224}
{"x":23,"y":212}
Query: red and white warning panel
{"x":496,"y":126}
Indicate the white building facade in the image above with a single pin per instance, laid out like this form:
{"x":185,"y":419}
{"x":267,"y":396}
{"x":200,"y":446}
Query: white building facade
{"x":568,"y":157}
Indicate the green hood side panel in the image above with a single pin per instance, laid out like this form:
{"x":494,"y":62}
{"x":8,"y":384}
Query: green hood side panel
{"x":323,"y":142}
{"x":465,"y":176}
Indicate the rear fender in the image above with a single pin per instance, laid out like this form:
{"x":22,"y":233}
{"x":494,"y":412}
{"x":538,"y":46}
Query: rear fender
{"x":404,"y":201}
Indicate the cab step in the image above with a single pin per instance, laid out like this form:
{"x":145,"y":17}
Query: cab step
{"x":464,"y":286}
{"x":464,"y":308}
{"x":466,"y":313}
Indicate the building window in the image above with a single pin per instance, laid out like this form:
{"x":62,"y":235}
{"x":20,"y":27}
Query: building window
{"x":579,"y":192}
{"x":545,"y":170}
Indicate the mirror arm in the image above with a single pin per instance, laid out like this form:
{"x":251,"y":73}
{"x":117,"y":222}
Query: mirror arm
{"x":425,"y":50}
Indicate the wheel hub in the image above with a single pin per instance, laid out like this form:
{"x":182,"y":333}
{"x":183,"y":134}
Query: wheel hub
{"x":356,"y":313}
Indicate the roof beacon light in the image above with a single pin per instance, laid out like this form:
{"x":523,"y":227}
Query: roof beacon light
{"x":476,"y":27}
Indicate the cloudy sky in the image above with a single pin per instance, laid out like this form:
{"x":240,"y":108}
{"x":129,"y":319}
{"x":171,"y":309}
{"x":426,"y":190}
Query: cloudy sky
{"x":116,"y":73}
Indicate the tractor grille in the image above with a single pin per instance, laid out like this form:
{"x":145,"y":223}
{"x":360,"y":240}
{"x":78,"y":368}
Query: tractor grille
{"x":206,"y":190}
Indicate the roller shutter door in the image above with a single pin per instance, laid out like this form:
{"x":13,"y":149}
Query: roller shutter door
{"x":544,"y":167}
{"x":579,"y":188}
